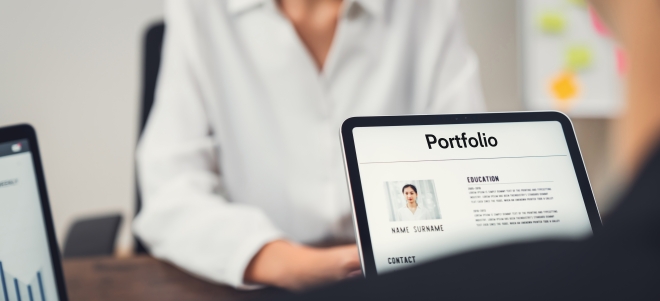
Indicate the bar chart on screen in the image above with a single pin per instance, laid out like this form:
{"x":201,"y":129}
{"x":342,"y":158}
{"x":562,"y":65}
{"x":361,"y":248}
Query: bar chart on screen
{"x":20,"y":290}
{"x":26,"y":268}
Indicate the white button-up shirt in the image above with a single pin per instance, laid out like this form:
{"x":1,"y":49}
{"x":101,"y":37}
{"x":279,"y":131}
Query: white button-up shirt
{"x":242,"y":146}
{"x":404,"y":214}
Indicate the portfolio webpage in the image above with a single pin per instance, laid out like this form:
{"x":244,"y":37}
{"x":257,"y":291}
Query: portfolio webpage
{"x":437,"y":190}
{"x":26,"y":272}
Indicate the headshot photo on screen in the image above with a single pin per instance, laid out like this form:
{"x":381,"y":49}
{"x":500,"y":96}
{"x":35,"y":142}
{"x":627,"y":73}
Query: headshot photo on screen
{"x":413,"y":200}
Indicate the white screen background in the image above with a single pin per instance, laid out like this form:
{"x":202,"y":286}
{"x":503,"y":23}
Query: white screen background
{"x":528,"y":155}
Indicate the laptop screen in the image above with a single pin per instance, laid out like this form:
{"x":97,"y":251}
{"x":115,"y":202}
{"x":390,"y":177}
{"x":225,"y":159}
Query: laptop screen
{"x":26,"y":269}
{"x":436,"y":190}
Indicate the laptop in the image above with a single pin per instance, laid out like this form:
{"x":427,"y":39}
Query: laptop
{"x":30,"y":266}
{"x":430,"y":186}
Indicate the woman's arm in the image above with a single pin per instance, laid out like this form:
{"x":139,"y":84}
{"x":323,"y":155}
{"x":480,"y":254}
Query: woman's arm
{"x":455,"y":86}
{"x":297,"y":267}
{"x":184,"y":218}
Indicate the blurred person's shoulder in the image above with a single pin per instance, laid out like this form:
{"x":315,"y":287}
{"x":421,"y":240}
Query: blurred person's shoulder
{"x":203,"y":19}
{"x":427,"y":10}
{"x":427,"y":20}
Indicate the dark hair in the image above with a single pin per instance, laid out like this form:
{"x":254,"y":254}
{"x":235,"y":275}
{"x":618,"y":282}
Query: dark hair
{"x":409,"y":185}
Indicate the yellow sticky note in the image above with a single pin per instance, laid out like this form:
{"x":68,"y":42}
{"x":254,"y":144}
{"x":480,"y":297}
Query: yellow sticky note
{"x":578,"y":57}
{"x":552,"y":22}
{"x":564,"y":87}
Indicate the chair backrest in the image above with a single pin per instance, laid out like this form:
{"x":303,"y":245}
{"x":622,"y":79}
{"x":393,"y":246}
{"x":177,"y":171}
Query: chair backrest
{"x":153,"y":44}
{"x":93,"y":236}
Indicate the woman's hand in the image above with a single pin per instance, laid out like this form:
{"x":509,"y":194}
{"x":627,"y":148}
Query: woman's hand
{"x":295,"y":267}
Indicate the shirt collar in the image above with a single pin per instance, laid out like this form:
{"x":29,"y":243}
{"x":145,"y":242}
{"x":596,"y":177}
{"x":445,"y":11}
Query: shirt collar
{"x":374,"y":7}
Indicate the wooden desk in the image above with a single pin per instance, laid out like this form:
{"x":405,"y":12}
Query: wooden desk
{"x":144,"y":278}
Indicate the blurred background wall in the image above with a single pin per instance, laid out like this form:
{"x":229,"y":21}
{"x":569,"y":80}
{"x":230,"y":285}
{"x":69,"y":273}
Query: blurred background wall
{"x":492,"y":32}
{"x":72,"y":70}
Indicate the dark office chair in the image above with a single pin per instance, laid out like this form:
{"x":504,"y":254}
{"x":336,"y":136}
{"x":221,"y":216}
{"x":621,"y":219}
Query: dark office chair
{"x":96,"y":236}
{"x":153,"y":43}
{"x":92,"y":236}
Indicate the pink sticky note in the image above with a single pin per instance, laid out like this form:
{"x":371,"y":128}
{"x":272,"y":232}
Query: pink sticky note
{"x":621,"y":62}
{"x":599,"y":26}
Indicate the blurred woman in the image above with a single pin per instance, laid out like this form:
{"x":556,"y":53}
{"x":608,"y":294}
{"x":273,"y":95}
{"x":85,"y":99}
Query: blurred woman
{"x":240,"y":164}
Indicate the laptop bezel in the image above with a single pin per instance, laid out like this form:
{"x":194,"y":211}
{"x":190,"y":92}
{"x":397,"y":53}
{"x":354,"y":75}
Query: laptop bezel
{"x":361,"y":225}
{"x":27,"y":132}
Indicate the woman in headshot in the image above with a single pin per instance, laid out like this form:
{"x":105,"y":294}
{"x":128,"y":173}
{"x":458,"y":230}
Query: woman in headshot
{"x":412,"y":211}
{"x":239,"y":165}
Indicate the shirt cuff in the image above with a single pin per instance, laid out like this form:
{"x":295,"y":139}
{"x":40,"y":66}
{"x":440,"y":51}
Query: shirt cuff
{"x":243,"y":255}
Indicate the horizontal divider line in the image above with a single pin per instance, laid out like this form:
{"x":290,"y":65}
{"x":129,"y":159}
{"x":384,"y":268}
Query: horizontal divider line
{"x":508,"y":183}
{"x":467,"y":159}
